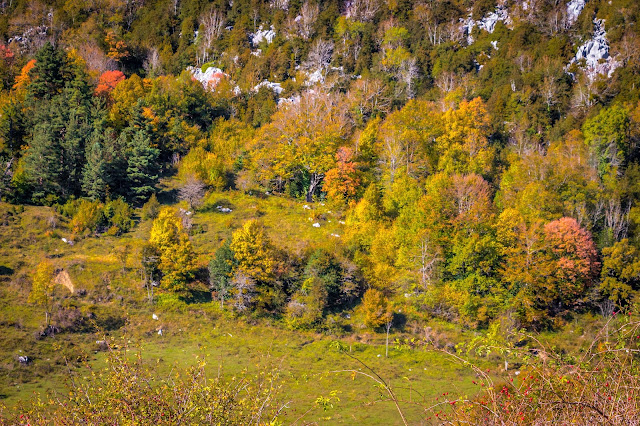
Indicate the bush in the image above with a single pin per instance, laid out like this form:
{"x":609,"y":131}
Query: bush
{"x":190,"y":396}
{"x":151,"y":208}
{"x":119,"y":216}
{"x":88,"y":217}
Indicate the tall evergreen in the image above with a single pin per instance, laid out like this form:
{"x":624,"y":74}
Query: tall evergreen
{"x":94,"y":180}
{"x":42,"y":162}
{"x":49,"y":74}
{"x":142,"y":166}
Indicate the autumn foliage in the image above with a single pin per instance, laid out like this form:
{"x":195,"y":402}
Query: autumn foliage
{"x":108,"y":81}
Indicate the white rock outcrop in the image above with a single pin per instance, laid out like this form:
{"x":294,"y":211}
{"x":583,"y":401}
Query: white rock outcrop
{"x":209,"y":78}
{"x":262,"y":35}
{"x":574,"y":8}
{"x":594,"y":55}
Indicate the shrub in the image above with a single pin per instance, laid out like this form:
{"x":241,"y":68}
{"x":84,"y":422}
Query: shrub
{"x":119,"y":216}
{"x":190,"y":396}
{"x":151,"y":208}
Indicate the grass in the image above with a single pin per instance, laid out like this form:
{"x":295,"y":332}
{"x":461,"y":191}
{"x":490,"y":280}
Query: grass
{"x":308,"y":364}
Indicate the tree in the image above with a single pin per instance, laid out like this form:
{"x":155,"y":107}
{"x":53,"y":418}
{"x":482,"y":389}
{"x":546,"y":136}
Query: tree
{"x":122,"y":254}
{"x":301,"y":140}
{"x":607,"y":135}
{"x":550,"y":269}
{"x":253,"y":251}
{"x":141,"y":167}
{"x":406,"y":140}
{"x":42,"y":290}
{"x":221,"y":272}
{"x":107,"y":82}
{"x":192,"y":191}
{"x":464,"y":143}
{"x":150,"y":261}
{"x":342,"y":181}
{"x":620,"y":275}
{"x":94,"y":179}
{"x":176,"y":252}
{"x":376,"y":309}
{"x":49,"y":73}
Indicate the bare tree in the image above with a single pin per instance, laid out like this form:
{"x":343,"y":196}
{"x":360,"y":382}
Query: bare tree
{"x":407,"y":73}
{"x":308,"y":17}
{"x":363,"y":10}
{"x":152,"y":63}
{"x":213,"y":22}
{"x":193,"y":191}
{"x":279,"y":4}
{"x":150,"y":261}
{"x":367,"y":98}
{"x":616,"y":218}
{"x":245,"y":289}
{"x":320,"y":56}
{"x":427,"y":259}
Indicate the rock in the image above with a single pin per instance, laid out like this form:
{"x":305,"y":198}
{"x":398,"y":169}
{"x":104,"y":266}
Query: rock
{"x":262,"y":35}
{"x":276,"y":87}
{"x":595,"y":54}
{"x":210,"y":78}
{"x":574,"y":8}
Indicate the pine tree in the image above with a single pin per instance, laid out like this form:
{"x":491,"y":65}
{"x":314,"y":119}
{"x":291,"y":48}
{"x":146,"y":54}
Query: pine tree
{"x":94,"y":181}
{"x":141,"y":167}
{"x":221,"y":271}
{"x":49,"y":73}
{"x":42,"y":162}
{"x":73,"y":150}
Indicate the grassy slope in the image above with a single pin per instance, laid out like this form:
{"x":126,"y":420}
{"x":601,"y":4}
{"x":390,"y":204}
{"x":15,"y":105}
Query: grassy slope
{"x":306,"y":361}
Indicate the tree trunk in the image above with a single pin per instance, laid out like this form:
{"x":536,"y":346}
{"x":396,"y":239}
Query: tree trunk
{"x":386,"y":352}
{"x":316,"y":178}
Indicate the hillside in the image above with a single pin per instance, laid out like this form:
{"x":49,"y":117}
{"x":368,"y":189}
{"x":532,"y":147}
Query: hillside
{"x":432,"y":182}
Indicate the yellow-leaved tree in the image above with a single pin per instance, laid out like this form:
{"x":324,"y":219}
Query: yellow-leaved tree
{"x":464,"y":144}
{"x":43,"y":288}
{"x":302,"y":139}
{"x":253,"y":251}
{"x":177,"y":259}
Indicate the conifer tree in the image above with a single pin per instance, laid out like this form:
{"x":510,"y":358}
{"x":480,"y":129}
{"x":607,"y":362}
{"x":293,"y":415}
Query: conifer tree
{"x":49,"y":73}
{"x":94,"y":183}
{"x":141,"y":167}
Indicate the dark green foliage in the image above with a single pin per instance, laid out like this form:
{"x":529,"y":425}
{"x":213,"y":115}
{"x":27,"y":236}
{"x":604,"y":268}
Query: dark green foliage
{"x":220,"y":272}
{"x":50,"y":73}
{"x":142,"y":167}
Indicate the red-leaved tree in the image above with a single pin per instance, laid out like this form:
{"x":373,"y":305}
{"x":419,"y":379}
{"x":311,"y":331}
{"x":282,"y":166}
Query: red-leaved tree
{"x":107,"y":82}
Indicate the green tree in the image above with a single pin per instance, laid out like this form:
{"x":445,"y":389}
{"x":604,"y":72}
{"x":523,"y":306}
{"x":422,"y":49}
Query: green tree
{"x":221,"y":272}
{"x":607,"y":135}
{"x":141,"y":167}
{"x":49,"y":74}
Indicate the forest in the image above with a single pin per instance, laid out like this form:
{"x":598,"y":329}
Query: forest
{"x":447,"y":173}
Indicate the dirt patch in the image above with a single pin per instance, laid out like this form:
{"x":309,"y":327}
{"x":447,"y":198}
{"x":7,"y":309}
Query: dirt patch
{"x":64,"y":279}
